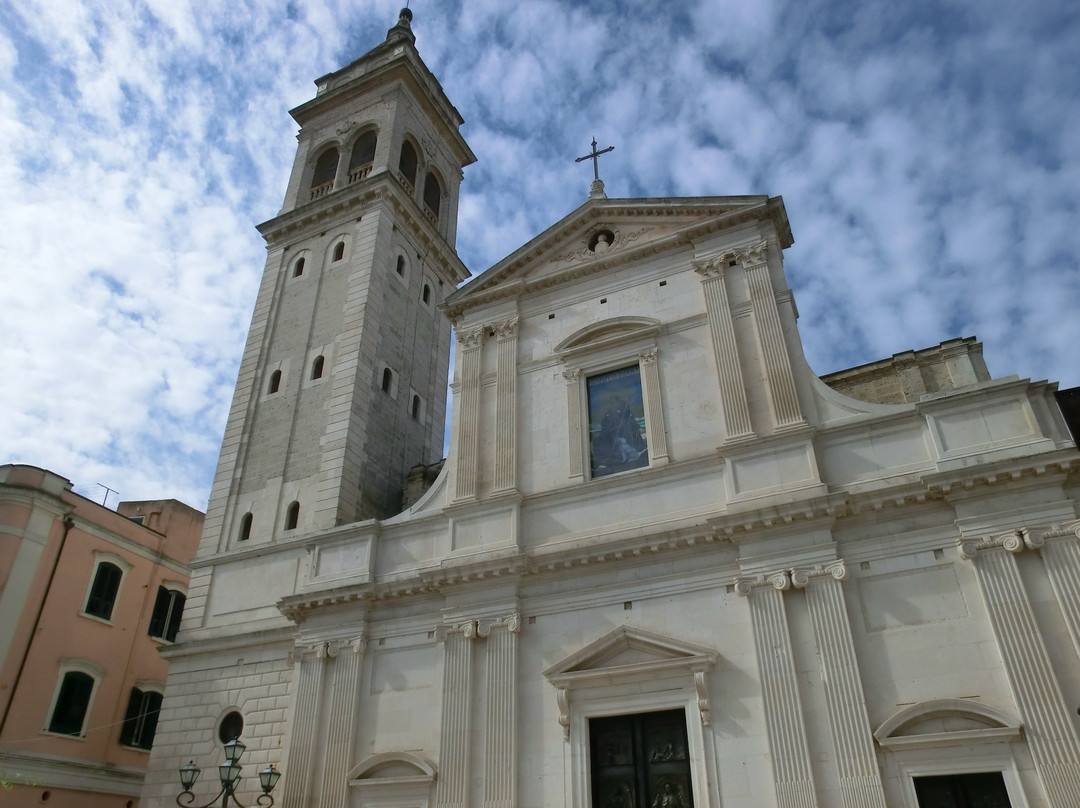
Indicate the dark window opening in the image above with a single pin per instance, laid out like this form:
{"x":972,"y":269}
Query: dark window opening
{"x":426,"y":294}
{"x":363,"y":151}
{"x":641,"y":760}
{"x":69,"y":714}
{"x":245,"y":527}
{"x":103,"y":590}
{"x":325,"y":169}
{"x":292,"y":516}
{"x":400,"y":268}
{"x":408,"y":162}
{"x":141,"y":719}
{"x":976,"y":790}
{"x":339,"y":251}
{"x":275,"y":382}
{"x":432,"y":193}
{"x":317,"y":368}
{"x":168,"y":609}
{"x":230,"y":727}
{"x":298,"y":268}
{"x":387,"y":379}
{"x":416,"y":408}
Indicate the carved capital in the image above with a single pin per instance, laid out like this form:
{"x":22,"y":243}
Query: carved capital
{"x":466,"y":630}
{"x":470,"y":339}
{"x":744,"y":586}
{"x":505,"y":329}
{"x":357,"y":645}
{"x":511,"y":622}
{"x":780,"y":580}
{"x":648,"y":356}
{"x":711,"y":268}
{"x":1014,"y":541}
{"x":571,"y":375}
{"x":800,"y":578}
{"x":753,"y":256}
{"x":1062,"y":530}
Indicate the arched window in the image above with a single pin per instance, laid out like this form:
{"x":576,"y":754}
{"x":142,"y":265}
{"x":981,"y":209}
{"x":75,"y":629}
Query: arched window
{"x":103,"y":591}
{"x":292,"y":515}
{"x":408,"y":162}
{"x":168,"y":609}
{"x":322,"y":180}
{"x":426,"y":294}
{"x":72,"y":703}
{"x":245,"y":527}
{"x":275,"y":382}
{"x":416,"y":407}
{"x":339,"y":251}
{"x":317,"y":367}
{"x":387,"y":380}
{"x":363,"y":153}
{"x":432,"y":193}
{"x":400,"y":268}
{"x":298,"y":268}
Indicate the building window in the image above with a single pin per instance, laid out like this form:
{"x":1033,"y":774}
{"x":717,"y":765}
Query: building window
{"x":617,"y":439}
{"x":72,"y":703}
{"x":432,"y":193}
{"x":363,"y":154}
{"x":168,"y":609}
{"x":339,"y":251}
{"x":292,"y":515}
{"x":400,"y":268}
{"x":641,"y":760}
{"x":322,"y":180}
{"x":141,"y":718}
{"x":275,"y":382}
{"x":408,"y":162}
{"x":230,"y":727}
{"x":415,"y":409}
{"x":426,"y":294}
{"x":245,"y":526}
{"x":298,"y":268}
{"x":387,"y":380}
{"x":317,"y":367}
{"x":978,"y":790}
{"x":103,"y":590}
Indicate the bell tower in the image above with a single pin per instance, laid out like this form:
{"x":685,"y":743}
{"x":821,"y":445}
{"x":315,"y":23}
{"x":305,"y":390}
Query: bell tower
{"x":342,"y":385}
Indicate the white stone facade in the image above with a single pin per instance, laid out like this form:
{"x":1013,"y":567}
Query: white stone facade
{"x":840,"y":597}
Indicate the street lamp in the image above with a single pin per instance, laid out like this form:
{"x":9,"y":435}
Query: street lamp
{"x":229,"y":774}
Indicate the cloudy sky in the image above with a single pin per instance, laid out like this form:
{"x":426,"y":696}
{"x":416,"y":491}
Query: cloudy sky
{"x":928,"y":153}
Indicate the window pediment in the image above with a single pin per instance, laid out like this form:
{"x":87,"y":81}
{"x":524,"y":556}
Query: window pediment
{"x":945,"y":722}
{"x":605,"y":333}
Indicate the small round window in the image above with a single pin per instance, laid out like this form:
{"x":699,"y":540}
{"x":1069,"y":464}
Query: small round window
{"x":230,"y":727}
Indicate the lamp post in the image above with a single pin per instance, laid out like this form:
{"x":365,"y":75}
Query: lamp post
{"x":229,"y":774}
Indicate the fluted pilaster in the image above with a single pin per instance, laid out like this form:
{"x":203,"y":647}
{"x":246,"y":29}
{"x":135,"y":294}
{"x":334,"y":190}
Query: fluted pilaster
{"x":468,"y":447}
{"x":736,"y":411}
{"x":506,"y":406}
{"x":310,"y":664}
{"x":778,"y":373}
{"x":453,"y":789}
{"x":1061,"y":555}
{"x":784,"y":718}
{"x":853,"y":742}
{"x":574,"y":421}
{"x":1048,"y":722}
{"x":655,"y":434}
{"x":341,"y":720}
{"x":500,"y":758}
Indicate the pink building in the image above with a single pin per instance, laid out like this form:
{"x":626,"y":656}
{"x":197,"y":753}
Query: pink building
{"x":87,"y":597}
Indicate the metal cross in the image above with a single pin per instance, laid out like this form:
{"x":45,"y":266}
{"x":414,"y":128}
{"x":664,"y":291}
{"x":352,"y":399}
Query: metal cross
{"x":595,"y":154}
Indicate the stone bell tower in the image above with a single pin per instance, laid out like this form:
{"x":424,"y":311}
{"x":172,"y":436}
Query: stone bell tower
{"x":342,"y":386}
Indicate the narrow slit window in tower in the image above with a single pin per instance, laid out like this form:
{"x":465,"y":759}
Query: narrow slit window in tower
{"x":387,"y":379}
{"x":275,"y":382}
{"x":339,"y":251}
{"x":317,"y":368}
{"x":292,"y":516}
{"x":245,"y":527}
{"x":298,"y":268}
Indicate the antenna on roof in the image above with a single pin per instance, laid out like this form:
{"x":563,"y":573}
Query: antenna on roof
{"x":108,"y":491}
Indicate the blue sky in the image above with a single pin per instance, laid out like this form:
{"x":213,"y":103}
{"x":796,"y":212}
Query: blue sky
{"x":927,"y":153}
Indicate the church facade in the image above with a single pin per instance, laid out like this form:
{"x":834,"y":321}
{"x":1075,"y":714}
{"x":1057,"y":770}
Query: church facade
{"x":664,"y":564}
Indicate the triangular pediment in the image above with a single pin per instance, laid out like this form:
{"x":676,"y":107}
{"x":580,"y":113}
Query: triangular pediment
{"x":603,"y":234}
{"x":630,"y":651}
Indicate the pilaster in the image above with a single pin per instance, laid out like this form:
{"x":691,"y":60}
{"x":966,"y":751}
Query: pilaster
{"x":785,"y":724}
{"x":455,"y":735}
{"x":778,"y":374}
{"x":1048,"y":723}
{"x":506,"y":406}
{"x":572,"y":377}
{"x":311,"y":662}
{"x":853,"y":741}
{"x":341,"y":720}
{"x":469,"y":424}
{"x":654,"y":411}
{"x":736,"y":411}
{"x":500,"y":758}
{"x":1061,"y":556}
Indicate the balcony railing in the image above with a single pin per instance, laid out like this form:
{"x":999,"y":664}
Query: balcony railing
{"x":359,"y":173}
{"x":322,"y":190}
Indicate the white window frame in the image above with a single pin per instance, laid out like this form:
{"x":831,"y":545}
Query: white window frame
{"x":145,"y":686}
{"x":66,"y":666}
{"x":101,"y":557}
{"x":171,"y":586}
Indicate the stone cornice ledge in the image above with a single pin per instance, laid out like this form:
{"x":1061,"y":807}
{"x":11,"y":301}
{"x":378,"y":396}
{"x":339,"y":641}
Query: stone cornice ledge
{"x":195,"y":643}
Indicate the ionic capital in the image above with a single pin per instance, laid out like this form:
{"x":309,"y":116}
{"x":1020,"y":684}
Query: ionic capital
{"x":466,"y":630}
{"x":800,"y":578}
{"x":1063,"y":530}
{"x":511,"y":622}
{"x":1014,"y":541}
